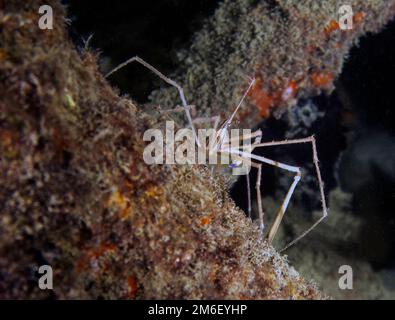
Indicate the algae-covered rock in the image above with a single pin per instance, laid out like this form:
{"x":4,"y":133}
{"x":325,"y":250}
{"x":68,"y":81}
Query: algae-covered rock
{"x":294,"y":49}
{"x":76,"y":194}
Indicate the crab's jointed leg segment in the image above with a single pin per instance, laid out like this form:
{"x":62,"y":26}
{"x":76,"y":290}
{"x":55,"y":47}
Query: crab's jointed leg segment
{"x":283,"y":208}
{"x":249,"y":155}
{"x":166,"y":79}
{"x":258,"y":194}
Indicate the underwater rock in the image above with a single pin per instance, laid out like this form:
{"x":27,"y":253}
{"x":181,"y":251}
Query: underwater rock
{"x":295,"y":49}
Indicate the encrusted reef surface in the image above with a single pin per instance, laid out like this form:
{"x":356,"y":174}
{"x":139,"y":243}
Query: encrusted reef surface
{"x":294,"y":49}
{"x":77,"y":195}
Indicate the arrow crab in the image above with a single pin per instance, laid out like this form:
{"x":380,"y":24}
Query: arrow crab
{"x":218,"y":142}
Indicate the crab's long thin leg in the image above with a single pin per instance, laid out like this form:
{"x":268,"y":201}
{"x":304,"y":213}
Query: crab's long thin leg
{"x":248,"y":194}
{"x":284,"y":205}
{"x":222,"y":130}
{"x":258,"y":166}
{"x":258,"y":194}
{"x":321,"y":186}
{"x":258,"y":135}
{"x":255,"y":134}
{"x":284,"y":142}
{"x":263,"y":159}
{"x":289,"y":194}
{"x":213,"y":119}
{"x":229,"y":121}
{"x":166,"y":79}
{"x":283,"y":208}
{"x":247,"y":155}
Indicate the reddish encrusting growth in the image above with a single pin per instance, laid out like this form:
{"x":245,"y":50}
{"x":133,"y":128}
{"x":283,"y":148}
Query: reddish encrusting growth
{"x":265,"y":100}
{"x":359,"y":17}
{"x":324,"y":79}
{"x":133,"y":287}
{"x":290,"y":91}
{"x":261,"y":98}
{"x":331,"y":27}
{"x":3,"y":54}
{"x":6,"y":138}
{"x":206,"y":220}
{"x":94,"y":254}
{"x":321,"y":79}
